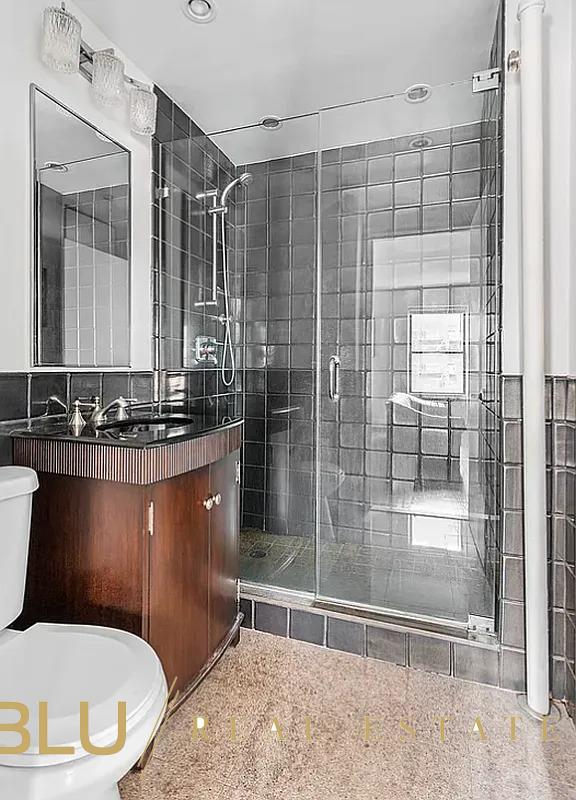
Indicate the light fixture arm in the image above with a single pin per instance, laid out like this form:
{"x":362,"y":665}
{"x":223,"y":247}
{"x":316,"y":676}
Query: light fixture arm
{"x":87,"y":58}
{"x":87,"y":61}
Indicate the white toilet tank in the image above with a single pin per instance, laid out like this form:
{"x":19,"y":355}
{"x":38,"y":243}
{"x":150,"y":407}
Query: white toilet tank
{"x":17,"y":485}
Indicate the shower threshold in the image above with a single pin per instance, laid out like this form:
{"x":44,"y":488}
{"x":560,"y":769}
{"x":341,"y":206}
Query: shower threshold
{"x":389,"y":618}
{"x":424,"y":583}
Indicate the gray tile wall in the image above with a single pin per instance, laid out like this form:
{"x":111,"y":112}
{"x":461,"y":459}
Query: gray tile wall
{"x":473,"y":661}
{"x":186,"y":162}
{"x":561,"y":472}
{"x":278,"y":349}
{"x":96,"y":297}
{"x":369,"y":192}
{"x":372,"y":193}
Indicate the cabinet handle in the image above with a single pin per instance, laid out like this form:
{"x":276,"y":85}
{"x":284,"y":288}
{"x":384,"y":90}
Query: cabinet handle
{"x":217,"y":499}
{"x":208,"y":503}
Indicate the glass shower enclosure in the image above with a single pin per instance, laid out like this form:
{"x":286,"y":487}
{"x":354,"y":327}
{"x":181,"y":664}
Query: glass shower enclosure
{"x":408,"y":239}
{"x":366,"y":284}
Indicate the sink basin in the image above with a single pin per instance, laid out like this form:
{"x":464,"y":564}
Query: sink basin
{"x":136,"y":425}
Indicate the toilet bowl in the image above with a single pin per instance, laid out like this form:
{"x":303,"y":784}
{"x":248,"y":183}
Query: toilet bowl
{"x":64,"y":666}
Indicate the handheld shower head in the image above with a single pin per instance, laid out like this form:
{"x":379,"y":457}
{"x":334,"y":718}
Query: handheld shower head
{"x":244,"y":180}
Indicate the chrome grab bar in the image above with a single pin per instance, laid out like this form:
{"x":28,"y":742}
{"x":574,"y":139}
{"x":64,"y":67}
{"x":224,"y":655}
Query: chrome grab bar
{"x":334,"y":383}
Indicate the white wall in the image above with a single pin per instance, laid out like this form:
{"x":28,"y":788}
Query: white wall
{"x":560,"y":192}
{"x":20,"y":66}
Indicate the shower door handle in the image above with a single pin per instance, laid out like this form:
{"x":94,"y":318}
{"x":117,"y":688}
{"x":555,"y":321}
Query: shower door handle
{"x":334,"y":378}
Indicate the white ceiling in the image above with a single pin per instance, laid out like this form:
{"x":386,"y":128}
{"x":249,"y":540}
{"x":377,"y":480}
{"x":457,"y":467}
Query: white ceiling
{"x":288,"y":57}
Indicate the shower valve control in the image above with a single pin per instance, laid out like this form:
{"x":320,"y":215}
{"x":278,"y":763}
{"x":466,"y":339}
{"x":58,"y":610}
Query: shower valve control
{"x":206,"y":350}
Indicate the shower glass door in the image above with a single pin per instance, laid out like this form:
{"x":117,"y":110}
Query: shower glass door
{"x":407,"y":354}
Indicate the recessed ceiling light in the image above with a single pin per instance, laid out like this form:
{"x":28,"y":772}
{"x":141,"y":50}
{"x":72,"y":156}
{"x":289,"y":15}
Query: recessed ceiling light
{"x":200,"y":10}
{"x":421,"y":142}
{"x":270,"y":123}
{"x":417,"y":93}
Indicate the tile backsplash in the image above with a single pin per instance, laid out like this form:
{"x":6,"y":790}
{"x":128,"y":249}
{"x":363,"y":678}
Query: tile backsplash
{"x":26,"y":395}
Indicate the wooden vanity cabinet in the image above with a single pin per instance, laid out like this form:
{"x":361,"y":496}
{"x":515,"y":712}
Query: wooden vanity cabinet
{"x":224,"y":552}
{"x":153,"y":560}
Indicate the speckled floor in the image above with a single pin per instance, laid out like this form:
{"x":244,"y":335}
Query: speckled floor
{"x":271,"y":686}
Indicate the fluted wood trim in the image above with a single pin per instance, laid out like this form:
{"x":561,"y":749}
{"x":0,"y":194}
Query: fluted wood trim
{"x":125,"y":464}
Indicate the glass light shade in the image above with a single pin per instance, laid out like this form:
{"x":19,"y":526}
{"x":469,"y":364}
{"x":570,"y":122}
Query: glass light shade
{"x":143,"y":106}
{"x":107,"y":79}
{"x":61,"y":39}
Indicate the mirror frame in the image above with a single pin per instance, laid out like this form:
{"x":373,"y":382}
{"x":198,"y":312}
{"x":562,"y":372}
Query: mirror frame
{"x":35,"y":244}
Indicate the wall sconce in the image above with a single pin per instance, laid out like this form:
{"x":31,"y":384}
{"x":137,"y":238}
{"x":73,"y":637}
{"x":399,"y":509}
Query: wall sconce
{"x":64,"y":50}
{"x":143,"y":110}
{"x":107,"y":78}
{"x":61,"y":40}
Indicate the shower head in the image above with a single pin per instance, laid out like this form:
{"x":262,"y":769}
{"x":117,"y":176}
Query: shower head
{"x":244,"y":180}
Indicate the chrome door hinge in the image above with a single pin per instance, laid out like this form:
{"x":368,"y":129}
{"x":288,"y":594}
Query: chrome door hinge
{"x":486,"y":79}
{"x":481,"y":628}
{"x":151,"y":518}
{"x":238,"y":472}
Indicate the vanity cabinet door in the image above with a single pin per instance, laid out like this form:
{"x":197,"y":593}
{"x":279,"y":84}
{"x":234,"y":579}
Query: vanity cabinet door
{"x":88,"y":555}
{"x":178,"y":592}
{"x":224,"y":549}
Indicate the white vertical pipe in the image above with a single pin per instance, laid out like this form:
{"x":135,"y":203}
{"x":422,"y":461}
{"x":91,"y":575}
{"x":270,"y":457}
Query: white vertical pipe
{"x":530,"y":14}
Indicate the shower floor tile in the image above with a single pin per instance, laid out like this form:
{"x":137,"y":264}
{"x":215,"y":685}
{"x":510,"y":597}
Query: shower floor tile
{"x":300,"y":715}
{"x":417,"y":580}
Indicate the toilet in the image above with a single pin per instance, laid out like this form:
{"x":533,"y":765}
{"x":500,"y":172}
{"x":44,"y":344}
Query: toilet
{"x":64,"y":665}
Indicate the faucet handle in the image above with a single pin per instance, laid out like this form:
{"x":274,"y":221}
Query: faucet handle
{"x":76,"y":421}
{"x":88,"y":402}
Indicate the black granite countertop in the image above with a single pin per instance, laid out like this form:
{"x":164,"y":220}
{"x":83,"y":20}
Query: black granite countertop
{"x":56,"y":427}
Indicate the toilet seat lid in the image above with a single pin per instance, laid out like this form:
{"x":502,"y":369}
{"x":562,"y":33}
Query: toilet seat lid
{"x":66,"y":664}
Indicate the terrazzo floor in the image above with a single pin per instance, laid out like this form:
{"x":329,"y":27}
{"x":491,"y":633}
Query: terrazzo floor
{"x":270,"y":686}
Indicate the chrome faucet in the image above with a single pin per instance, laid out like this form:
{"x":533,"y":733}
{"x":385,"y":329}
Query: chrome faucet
{"x":122,"y":404}
{"x":54,"y":400}
{"x":98,"y":414}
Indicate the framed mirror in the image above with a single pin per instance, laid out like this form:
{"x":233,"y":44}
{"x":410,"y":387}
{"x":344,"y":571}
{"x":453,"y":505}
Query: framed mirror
{"x":81,"y":241}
